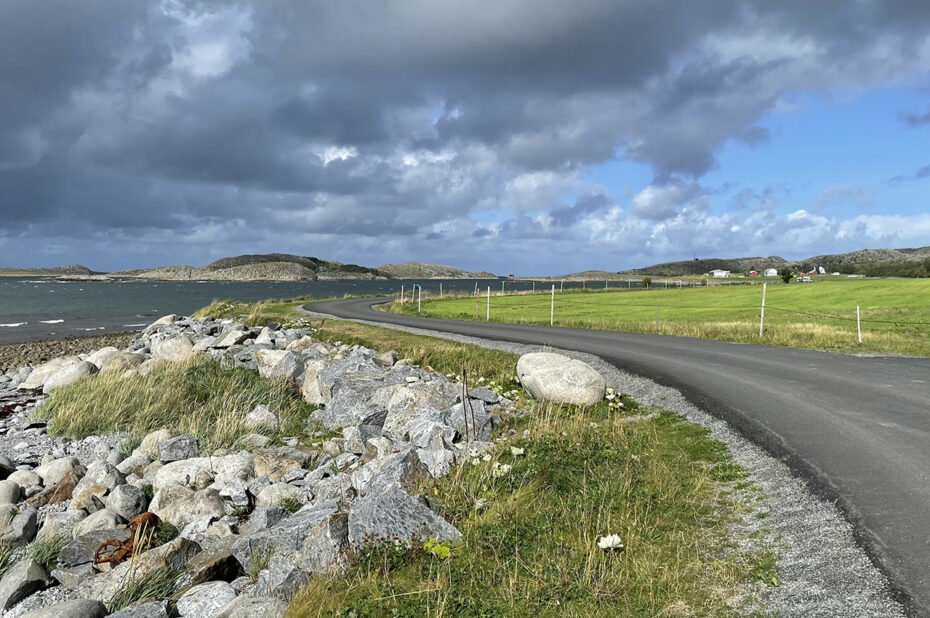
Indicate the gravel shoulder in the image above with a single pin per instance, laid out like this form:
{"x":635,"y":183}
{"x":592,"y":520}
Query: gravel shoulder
{"x":822,"y":570}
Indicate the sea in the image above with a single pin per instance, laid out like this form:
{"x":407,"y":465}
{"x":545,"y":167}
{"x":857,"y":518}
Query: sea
{"x":33,"y":308}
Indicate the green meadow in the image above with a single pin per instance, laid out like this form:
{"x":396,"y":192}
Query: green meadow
{"x":894,"y":313}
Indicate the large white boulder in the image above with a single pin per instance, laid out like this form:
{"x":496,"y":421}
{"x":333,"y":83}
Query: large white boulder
{"x":69,"y":375}
{"x":177,"y":349}
{"x":559,"y":379}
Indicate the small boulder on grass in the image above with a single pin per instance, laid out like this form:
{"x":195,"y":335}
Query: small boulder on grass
{"x":560,"y":379}
{"x":262,"y":417}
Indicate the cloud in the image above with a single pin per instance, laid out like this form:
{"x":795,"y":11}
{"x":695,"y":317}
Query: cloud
{"x":845,"y":194}
{"x":353,"y":128}
{"x":915,"y":120}
{"x":922,"y":172}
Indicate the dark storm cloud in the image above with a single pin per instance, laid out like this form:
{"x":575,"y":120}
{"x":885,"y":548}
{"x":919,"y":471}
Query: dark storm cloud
{"x":398,"y":118}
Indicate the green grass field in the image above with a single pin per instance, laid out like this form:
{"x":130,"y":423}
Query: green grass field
{"x":895,"y":313}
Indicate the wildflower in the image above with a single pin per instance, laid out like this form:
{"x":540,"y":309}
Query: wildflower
{"x":480,"y":379}
{"x":487,"y":457}
{"x":517,"y":452}
{"x":475,"y":461}
{"x":611,"y":541}
{"x":500,"y":470}
{"x":473,"y":452}
{"x":480,"y":503}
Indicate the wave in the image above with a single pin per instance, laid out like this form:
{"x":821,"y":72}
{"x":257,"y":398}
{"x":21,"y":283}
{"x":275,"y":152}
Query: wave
{"x":95,"y":328}
{"x":51,"y":321}
{"x":133,"y":325}
{"x":14,"y":324}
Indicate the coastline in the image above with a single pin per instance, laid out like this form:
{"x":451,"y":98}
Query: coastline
{"x":16,"y":354}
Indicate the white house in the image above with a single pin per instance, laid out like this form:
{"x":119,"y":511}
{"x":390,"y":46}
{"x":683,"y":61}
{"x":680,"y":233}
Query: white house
{"x":771,"y":272}
{"x":719,"y":273}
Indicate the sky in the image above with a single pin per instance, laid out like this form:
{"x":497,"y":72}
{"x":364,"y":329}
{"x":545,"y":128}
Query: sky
{"x":515,"y":136}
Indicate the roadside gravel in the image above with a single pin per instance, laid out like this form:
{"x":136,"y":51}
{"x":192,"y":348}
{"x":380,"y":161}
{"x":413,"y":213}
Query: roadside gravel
{"x":823,"y":572}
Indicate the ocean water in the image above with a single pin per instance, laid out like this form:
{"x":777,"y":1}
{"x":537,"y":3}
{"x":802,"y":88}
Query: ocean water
{"x":38,"y":309}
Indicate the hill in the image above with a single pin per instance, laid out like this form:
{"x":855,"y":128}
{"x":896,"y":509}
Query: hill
{"x":701,"y":266}
{"x":422,"y":270}
{"x":55,"y":271}
{"x":259,"y":267}
{"x":873,"y":262}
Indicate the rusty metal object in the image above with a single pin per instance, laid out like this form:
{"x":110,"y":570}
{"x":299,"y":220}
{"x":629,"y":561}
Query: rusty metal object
{"x":141,"y":527}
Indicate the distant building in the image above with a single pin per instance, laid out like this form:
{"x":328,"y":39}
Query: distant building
{"x":720,"y":274}
{"x":821,"y":270}
{"x":771,"y":272}
{"x":752,"y":273}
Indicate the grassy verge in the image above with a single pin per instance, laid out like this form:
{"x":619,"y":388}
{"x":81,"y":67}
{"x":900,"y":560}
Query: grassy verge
{"x":895,"y":316}
{"x":199,"y":397}
{"x":446,"y":356}
{"x":532,"y":514}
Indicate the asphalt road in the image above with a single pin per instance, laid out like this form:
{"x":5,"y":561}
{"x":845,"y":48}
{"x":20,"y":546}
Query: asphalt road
{"x":858,"y":428}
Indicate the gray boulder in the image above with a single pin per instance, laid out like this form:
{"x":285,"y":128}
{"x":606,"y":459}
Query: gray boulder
{"x":69,"y":375}
{"x":61,"y":524}
{"x":57,"y":469}
{"x":254,"y":607}
{"x":276,"y":494}
{"x":176,"y":350}
{"x":279,"y":364}
{"x":103,"y":356}
{"x":25,"y":478}
{"x":287,"y":536}
{"x":150,"y":609}
{"x":397,"y":470}
{"x":179,"y":505}
{"x":17,"y":525}
{"x":100,"y":478}
{"x":21,"y":580}
{"x":261,"y":417}
{"x":126,"y":501}
{"x":103,"y":519}
{"x":206,"y":600}
{"x":178,"y":448}
{"x":394,"y":514}
{"x":283,"y":577}
{"x":559,"y":379}
{"x":151,"y":441}
{"x":10,"y":492}
{"x":81,"y":550}
{"x":76,"y":608}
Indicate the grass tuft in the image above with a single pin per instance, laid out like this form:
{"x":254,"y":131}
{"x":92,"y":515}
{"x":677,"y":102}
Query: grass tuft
{"x":45,"y":551}
{"x":198,"y":397}
{"x":158,"y":584}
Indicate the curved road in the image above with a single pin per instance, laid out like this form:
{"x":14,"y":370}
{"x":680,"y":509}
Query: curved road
{"x":858,"y":428}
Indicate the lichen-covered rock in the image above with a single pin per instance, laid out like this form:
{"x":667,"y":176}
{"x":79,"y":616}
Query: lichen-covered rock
{"x":394,"y":514}
{"x":126,"y":501}
{"x":61,"y":524}
{"x":279,"y":364}
{"x":10,"y":492}
{"x":283,"y":577}
{"x":254,"y":607}
{"x":104,"y":519}
{"x":287,"y":536}
{"x":205,"y":600}
{"x":276,"y":494}
{"x":261,"y":417}
{"x":22,"y":579}
{"x":81,"y":549}
{"x":560,"y":379}
{"x":75,"y":608}
{"x":195,"y":473}
{"x":178,"y":448}
{"x":179,"y":505}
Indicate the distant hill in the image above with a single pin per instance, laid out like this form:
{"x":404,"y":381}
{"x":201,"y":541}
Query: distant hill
{"x":55,"y":271}
{"x":701,"y":266}
{"x":874,"y":262}
{"x":260,"y":267}
{"x":422,"y":270}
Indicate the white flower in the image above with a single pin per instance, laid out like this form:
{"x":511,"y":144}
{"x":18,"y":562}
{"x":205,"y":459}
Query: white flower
{"x":611,"y":541}
{"x":475,"y":461}
{"x":473,"y":452}
{"x":487,"y":457}
{"x":500,"y":470}
{"x":480,"y":379}
{"x":609,"y":396}
{"x":480,"y":503}
{"x":516,"y":452}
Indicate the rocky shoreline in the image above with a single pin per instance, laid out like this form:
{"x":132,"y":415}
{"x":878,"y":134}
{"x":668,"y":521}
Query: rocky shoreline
{"x":250,"y":526}
{"x":15,"y":355}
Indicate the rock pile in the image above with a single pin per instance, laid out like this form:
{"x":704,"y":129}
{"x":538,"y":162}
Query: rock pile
{"x":252,"y":525}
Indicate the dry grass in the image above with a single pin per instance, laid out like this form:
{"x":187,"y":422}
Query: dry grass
{"x":198,"y":397}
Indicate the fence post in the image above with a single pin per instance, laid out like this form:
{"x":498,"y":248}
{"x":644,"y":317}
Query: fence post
{"x":440,"y":291}
{"x":502,"y":288}
{"x":488,"y":315}
{"x":762,"y":315}
{"x":858,"y":325}
{"x":402,"y":295}
{"x":552,"y":307}
{"x":561,"y":285}
{"x":419,"y":297}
